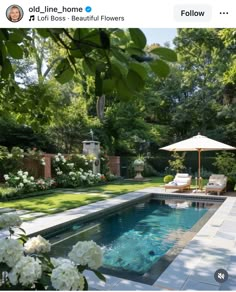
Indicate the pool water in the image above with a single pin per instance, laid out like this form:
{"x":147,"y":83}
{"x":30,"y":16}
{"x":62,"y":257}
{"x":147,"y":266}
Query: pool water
{"x":137,"y":237}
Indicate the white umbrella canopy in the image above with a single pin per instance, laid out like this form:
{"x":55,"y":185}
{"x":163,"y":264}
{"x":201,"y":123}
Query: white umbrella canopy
{"x":198,"y":143}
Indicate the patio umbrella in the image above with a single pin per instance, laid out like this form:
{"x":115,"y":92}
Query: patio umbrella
{"x":198,"y":143}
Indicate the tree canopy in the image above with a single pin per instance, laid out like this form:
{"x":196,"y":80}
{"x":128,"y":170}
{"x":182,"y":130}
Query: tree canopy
{"x":57,"y":84}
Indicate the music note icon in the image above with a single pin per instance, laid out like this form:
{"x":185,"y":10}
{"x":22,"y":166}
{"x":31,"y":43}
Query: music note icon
{"x":31,"y":18}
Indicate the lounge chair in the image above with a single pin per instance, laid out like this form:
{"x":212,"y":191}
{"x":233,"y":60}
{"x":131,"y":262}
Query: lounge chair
{"x":181,"y":182}
{"x":217,"y":183}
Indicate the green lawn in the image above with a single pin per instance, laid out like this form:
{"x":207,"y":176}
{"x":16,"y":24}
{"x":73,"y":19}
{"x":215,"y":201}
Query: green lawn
{"x":59,"y":201}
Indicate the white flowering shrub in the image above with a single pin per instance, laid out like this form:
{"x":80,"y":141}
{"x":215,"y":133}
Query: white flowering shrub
{"x":75,"y":171}
{"x":25,"y":264}
{"x":10,"y":160}
{"x":25,"y":183}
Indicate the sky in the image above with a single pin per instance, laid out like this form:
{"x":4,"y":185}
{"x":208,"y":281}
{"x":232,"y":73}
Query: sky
{"x":160,"y":35}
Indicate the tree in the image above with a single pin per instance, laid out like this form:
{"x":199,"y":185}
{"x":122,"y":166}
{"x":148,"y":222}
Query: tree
{"x":205,"y":58}
{"x":115,"y":58}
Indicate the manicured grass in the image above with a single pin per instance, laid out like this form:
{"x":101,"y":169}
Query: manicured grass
{"x":125,"y":186}
{"x":58,"y":202}
{"x":54,"y":203}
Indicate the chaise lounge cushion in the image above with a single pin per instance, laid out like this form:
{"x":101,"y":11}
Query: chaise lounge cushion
{"x":217,"y":183}
{"x":181,"y":181}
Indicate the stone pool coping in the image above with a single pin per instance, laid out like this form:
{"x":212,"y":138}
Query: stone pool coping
{"x":190,"y":270}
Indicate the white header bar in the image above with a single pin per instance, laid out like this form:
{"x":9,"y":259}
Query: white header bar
{"x":120,"y":13}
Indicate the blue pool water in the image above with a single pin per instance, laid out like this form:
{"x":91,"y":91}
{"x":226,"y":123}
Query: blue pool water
{"x":134,"y":238}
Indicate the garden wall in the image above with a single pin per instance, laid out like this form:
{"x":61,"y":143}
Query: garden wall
{"x":37,"y":170}
{"x":114,"y":165}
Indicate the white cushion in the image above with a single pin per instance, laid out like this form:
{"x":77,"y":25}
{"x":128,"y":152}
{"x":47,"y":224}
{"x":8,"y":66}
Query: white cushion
{"x":182,"y":175}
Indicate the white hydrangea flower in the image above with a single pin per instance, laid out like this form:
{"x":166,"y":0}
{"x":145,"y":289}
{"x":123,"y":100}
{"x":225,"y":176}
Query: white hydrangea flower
{"x":59,"y":261}
{"x":20,"y":172}
{"x":26,"y":173}
{"x":83,"y":177}
{"x":6,"y":176}
{"x":70,"y":165}
{"x":66,"y":277}
{"x":9,"y":220}
{"x":21,"y":185}
{"x":11,"y":251}
{"x":25,"y":181}
{"x":57,"y":159}
{"x":37,"y":244}
{"x":31,"y":178}
{"x":87,"y":253}
{"x":59,"y":173}
{"x":27,"y":271}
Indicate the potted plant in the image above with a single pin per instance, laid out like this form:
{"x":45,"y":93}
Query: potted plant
{"x":226,"y":164}
{"x":139,"y":167}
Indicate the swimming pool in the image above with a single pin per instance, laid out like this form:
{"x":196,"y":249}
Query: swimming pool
{"x":134,"y":239}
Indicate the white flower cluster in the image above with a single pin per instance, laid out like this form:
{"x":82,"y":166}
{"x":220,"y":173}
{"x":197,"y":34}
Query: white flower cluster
{"x":37,"y":245}
{"x":42,"y":161}
{"x":65,"y":276}
{"x":21,"y":180}
{"x":70,"y":165}
{"x":26,"y":271}
{"x":87,"y":253}
{"x":11,"y":251}
{"x":9,"y":220}
{"x":6,"y":177}
{"x":60,"y":158}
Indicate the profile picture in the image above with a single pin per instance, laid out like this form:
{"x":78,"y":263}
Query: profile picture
{"x":14,"y":13}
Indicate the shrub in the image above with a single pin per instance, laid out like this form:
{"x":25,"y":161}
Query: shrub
{"x":25,"y":263}
{"x":168,"y":178}
{"x":177,"y":162}
{"x":10,"y":160}
{"x":24,"y":183}
{"x":78,"y":178}
{"x":75,"y":171}
{"x":226,"y":164}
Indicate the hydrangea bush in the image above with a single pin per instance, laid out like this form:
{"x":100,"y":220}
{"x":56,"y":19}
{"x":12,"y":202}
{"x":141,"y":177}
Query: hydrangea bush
{"x":22,"y":181}
{"x":75,"y":171}
{"x":25,"y":264}
{"x":71,"y":171}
